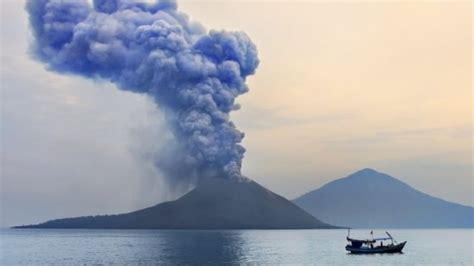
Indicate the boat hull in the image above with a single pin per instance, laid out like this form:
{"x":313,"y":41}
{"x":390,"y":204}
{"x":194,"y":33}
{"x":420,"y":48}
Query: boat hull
{"x":377,"y":250}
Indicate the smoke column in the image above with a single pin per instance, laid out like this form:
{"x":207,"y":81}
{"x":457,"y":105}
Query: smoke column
{"x":194,"y":76}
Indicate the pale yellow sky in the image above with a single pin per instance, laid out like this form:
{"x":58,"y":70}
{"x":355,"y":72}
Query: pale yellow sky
{"x":343,"y":86}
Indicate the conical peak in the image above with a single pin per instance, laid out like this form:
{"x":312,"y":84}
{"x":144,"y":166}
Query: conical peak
{"x":366,"y":172}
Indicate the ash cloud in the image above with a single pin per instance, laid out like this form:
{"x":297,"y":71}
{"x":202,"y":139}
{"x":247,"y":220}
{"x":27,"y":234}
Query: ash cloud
{"x":194,"y":76}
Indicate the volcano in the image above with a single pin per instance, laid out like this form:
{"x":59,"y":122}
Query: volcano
{"x":213,"y":204}
{"x":370,"y":199}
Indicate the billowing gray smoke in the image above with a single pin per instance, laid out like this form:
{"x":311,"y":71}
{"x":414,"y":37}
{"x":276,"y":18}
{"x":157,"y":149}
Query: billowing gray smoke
{"x":193,"y":75}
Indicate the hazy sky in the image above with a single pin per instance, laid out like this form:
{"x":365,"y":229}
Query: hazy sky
{"x":341,"y":86}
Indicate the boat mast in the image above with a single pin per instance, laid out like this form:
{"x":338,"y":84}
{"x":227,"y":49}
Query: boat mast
{"x":389,"y":235}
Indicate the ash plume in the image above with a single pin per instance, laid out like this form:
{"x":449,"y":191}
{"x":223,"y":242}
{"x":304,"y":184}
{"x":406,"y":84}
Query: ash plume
{"x":193,"y":75}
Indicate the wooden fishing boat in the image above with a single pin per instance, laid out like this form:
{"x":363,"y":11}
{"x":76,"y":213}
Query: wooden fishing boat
{"x":374,"y":245}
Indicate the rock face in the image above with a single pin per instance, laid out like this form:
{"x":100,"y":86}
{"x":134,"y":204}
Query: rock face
{"x":369,"y":199}
{"x":213,"y":204}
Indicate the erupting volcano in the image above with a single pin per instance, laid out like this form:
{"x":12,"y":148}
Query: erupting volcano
{"x":194,"y":77}
{"x":214,"y":204}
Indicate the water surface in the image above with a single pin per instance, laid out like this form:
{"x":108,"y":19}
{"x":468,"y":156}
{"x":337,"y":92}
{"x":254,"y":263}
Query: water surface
{"x":322,"y":247}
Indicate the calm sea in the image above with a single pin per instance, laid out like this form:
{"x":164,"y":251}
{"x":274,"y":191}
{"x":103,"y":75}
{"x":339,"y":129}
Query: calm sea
{"x":322,"y":247}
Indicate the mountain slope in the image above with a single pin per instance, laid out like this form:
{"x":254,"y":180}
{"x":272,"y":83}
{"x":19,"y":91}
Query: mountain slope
{"x":369,"y":199}
{"x":214,"y":204}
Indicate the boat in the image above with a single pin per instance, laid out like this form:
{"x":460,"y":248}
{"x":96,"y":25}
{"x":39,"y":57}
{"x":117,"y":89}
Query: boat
{"x":374,"y":245}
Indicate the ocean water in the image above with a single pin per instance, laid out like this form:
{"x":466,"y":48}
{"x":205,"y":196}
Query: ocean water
{"x":271,"y":247}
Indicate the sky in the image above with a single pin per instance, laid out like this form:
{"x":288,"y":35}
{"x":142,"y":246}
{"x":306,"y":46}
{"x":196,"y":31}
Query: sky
{"x":341,"y":86}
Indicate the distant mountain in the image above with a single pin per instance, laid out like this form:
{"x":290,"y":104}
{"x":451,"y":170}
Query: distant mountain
{"x":369,"y":199}
{"x":213,"y":204}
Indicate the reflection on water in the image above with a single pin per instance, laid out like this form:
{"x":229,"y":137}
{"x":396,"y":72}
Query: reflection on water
{"x":322,"y":247}
{"x":193,"y":247}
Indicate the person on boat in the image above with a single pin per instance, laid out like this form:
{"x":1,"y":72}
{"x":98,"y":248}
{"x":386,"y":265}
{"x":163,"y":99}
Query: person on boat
{"x":381,"y":243}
